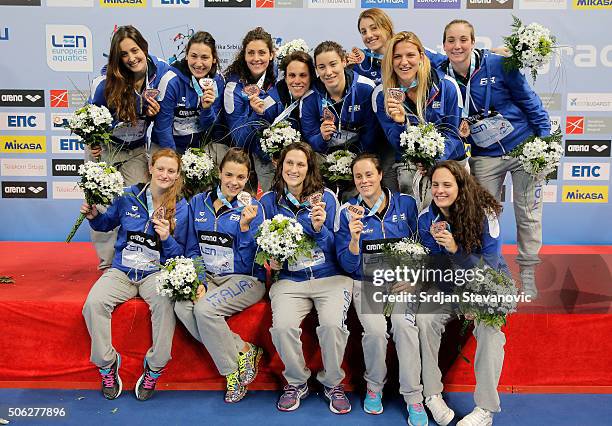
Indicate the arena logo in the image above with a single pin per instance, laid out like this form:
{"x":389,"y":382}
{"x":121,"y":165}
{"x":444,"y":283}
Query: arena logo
{"x":19,"y":2}
{"x":585,"y":194}
{"x":69,"y":48}
{"x":22,"y":121}
{"x":490,"y":4}
{"x":67,"y":191}
{"x":331,"y":4}
{"x":4,"y":34}
{"x":67,"y":145}
{"x":11,"y":144}
{"x":176,"y":3}
{"x":390,"y":4}
{"x":23,"y":167}
{"x":586,"y":171}
{"x":543,"y":4}
{"x":592,"y":4}
{"x":22,"y":98}
{"x":70,"y":3}
{"x":123,"y":3}
{"x":587,"y":148}
{"x":589,"y":101}
{"x":14,"y":189}
{"x":65,"y":167}
{"x":437,"y":4}
{"x":227,"y":3}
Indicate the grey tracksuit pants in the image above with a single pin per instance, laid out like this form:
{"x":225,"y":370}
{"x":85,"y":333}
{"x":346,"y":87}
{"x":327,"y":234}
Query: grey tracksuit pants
{"x":374,"y":342}
{"x":487,"y":363}
{"x":527,"y":194}
{"x":205,"y":319}
{"x":113,"y":288}
{"x":291,"y":302}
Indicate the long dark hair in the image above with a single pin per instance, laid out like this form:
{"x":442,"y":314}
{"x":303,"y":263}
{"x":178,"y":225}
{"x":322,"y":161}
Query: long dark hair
{"x":313,"y":181}
{"x":207,"y":39}
{"x":240,"y":68}
{"x":119,"y":89}
{"x":170,"y":196}
{"x":468,"y":212}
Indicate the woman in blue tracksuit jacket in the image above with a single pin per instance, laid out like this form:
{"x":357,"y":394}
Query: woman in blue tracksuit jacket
{"x":346,"y":94}
{"x":502,"y":111}
{"x":470,"y":234}
{"x":222,"y":234}
{"x":191,"y":115}
{"x":360,"y":238}
{"x":253,"y":66}
{"x":430,"y":97}
{"x":314,"y":280}
{"x":153,"y":225}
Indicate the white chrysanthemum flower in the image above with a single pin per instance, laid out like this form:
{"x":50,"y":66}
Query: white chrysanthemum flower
{"x":290,"y":47}
{"x":197,"y":165}
{"x":339,"y":162}
{"x":275,"y":138}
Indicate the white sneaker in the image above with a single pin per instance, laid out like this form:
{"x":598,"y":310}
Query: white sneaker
{"x":478,"y":417}
{"x":528,"y":280}
{"x":439,"y":410}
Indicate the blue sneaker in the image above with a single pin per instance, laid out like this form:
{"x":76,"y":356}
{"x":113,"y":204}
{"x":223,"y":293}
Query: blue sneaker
{"x":417,"y":415}
{"x":372,"y":404}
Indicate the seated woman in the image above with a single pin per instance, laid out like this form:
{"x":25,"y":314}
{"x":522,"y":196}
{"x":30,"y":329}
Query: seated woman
{"x":314,"y":281}
{"x":152,"y":225}
{"x":379,"y":224}
{"x":221,"y":231}
{"x":470,"y":233}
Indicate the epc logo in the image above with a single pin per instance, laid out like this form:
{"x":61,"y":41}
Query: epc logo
{"x":176,"y":3}
{"x":586,"y":171}
{"x":69,"y":48}
{"x":22,"y":121}
{"x":67,"y":145}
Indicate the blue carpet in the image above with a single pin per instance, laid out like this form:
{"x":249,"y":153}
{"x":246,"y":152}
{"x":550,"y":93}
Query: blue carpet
{"x":258,"y":408}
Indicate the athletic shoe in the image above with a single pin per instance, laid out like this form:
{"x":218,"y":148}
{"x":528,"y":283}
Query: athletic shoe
{"x":417,"y":415}
{"x":338,"y":402}
{"x":439,"y":410}
{"x":247,"y":364}
{"x":478,"y":417}
{"x":291,"y":397}
{"x":111,"y":382}
{"x":145,"y":386}
{"x":528,"y":280}
{"x":234,"y":390}
{"x":372,"y":403}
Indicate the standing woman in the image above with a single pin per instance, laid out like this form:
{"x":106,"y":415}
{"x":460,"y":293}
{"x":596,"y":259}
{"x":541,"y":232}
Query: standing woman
{"x":152,"y":223}
{"x":430,"y":97}
{"x":500,"y":112}
{"x":472,"y":234}
{"x":314,"y":281}
{"x":191,"y":100}
{"x":380,"y":226}
{"x":222,"y":233}
{"x":131,"y":71}
{"x":249,"y":78}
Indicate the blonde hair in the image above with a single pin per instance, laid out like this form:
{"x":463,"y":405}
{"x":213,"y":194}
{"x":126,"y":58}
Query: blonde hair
{"x":380,"y":18}
{"x":390,"y":79}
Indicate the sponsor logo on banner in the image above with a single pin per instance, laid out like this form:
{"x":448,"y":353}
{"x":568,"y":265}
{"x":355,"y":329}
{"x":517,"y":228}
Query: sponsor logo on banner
{"x":22,"y":98}
{"x":574,"y":125}
{"x":23,"y":167}
{"x":288,"y":4}
{"x":490,"y":4}
{"x":123,"y":3}
{"x":587,"y":148}
{"x":227,"y":3}
{"x":578,"y":125}
{"x":437,"y":4}
{"x":23,"y":144}
{"x":586,"y":171}
{"x":22,"y":121}
{"x":66,"y":167}
{"x":13,"y":189}
{"x":551,"y":101}
{"x":67,"y":145}
{"x":176,"y":3}
{"x":555,"y":123}
{"x":543,"y":4}
{"x":264,"y":4}
{"x":592,"y":4}
{"x":69,"y":48}
{"x":585,"y":194}
{"x":59,"y":121}
{"x":589,"y":101}
{"x":70,"y":3}
{"x":4,"y":34}
{"x":19,"y":2}
{"x":385,"y":4}
{"x":58,"y":98}
{"x":331,"y":4}
{"x":67,"y":191}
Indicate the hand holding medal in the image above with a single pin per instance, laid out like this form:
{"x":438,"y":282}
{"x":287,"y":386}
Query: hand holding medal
{"x":252,"y":91}
{"x":208,"y":92}
{"x":328,"y":126}
{"x":356,"y":212}
{"x":150,"y":95}
{"x":318,"y":213}
{"x":249,"y":211}
{"x":356,"y":56}
{"x":160,"y":224}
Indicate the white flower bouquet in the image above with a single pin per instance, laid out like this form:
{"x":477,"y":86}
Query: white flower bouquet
{"x":422,"y":144}
{"x":530,"y":46}
{"x":283,"y":239}
{"x":92,"y":123}
{"x":290,"y":47}
{"x":101,"y":183}
{"x":337,"y":166}
{"x":198,"y":170}
{"x":540,"y":156}
{"x":276,"y":137}
{"x":179,"y":278}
